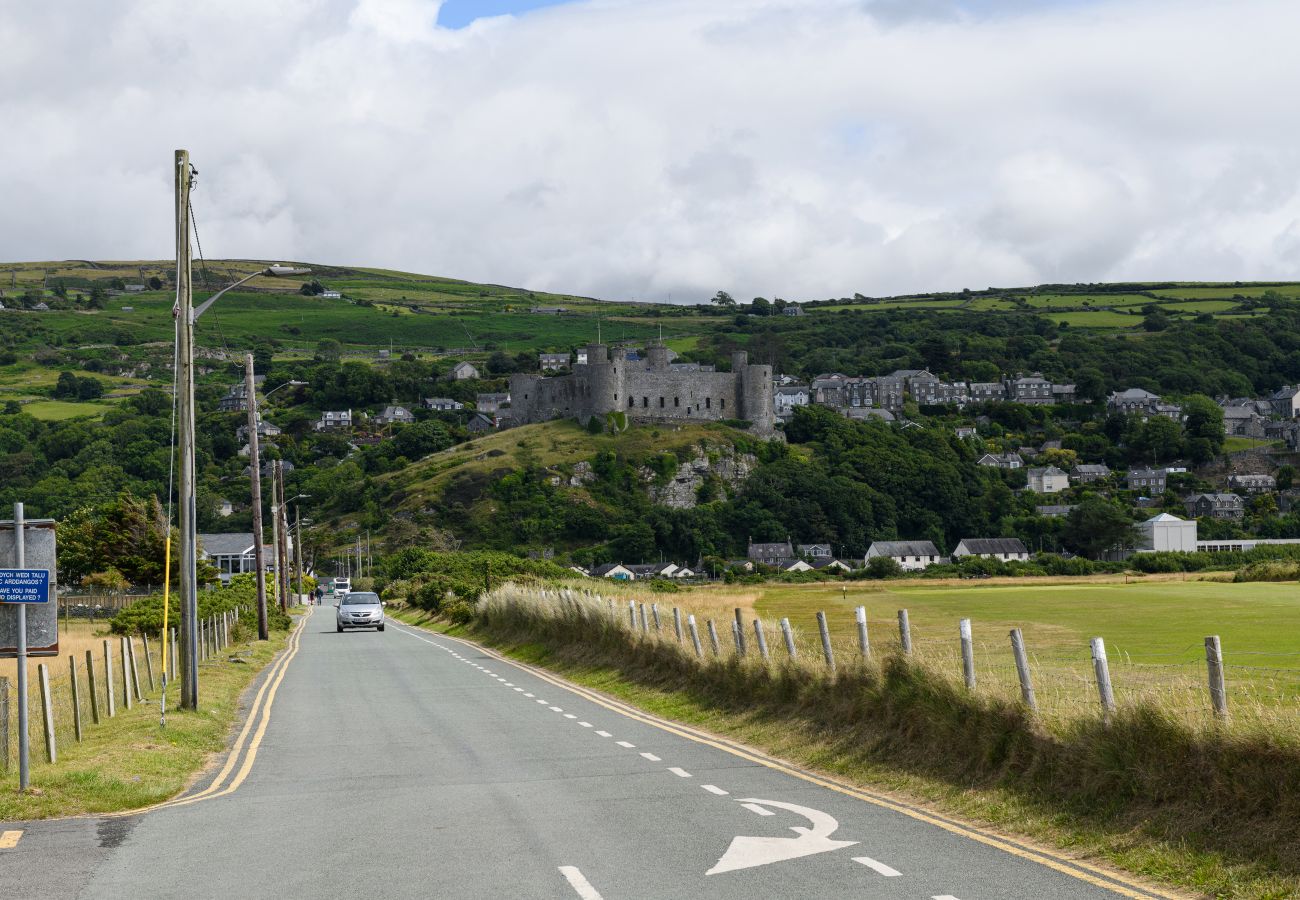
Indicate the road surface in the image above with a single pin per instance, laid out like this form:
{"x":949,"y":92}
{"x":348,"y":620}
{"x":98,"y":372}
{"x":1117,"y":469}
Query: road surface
{"x":409,"y":764}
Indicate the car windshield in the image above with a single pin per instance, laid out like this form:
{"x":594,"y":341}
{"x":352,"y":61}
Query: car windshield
{"x":361,"y":600}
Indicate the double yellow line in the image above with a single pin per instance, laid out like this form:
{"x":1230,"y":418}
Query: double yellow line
{"x":244,"y":751}
{"x":1082,"y":871}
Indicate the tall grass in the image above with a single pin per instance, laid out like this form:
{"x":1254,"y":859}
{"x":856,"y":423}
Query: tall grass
{"x":1158,"y":764}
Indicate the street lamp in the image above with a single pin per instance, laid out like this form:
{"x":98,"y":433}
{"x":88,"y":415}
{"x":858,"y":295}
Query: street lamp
{"x":297,"y":531}
{"x":270,"y":272}
{"x":186,"y":315}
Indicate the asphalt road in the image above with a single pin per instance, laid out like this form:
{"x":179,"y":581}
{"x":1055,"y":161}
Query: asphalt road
{"x":408,"y":764}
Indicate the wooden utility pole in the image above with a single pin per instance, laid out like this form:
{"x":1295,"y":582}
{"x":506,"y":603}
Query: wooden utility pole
{"x":255,"y":483}
{"x":184,"y":313}
{"x":297,"y":555}
{"x":275,"y":530}
{"x":281,"y":538}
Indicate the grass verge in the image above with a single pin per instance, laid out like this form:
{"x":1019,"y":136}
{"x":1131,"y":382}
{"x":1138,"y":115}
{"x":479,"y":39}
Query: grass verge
{"x":1144,"y":794}
{"x":128,"y":761}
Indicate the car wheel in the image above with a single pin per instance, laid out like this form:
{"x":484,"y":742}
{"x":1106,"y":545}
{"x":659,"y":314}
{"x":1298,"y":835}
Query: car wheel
{"x":340,"y":628}
{"x":380,"y":628}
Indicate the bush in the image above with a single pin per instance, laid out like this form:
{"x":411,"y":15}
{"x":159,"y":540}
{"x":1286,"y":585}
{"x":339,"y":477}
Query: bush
{"x":883,"y":567}
{"x":460,"y":612}
{"x":1288,"y":570}
{"x":146,"y":616}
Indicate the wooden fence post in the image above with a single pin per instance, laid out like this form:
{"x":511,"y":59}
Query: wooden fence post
{"x":1218,"y":689}
{"x":126,"y":675}
{"x":826,"y":640}
{"x":967,"y":654}
{"x":76,"y":697}
{"x":904,"y":632}
{"x":645,"y":621}
{"x":789,"y":638}
{"x":761,"y":639}
{"x":47,"y":713}
{"x":740,"y":632}
{"x":1022,"y":669}
{"x":695,"y":634}
{"x":135,"y":670}
{"x":1102,"y":670}
{"x":109,"y":699}
{"x":90,"y":686}
{"x":863,"y":643}
{"x":654,"y":611}
{"x":631,"y":611}
{"x":148,"y":663}
{"x":4,"y":723}
{"x":713,"y":638}
{"x":677,"y":623}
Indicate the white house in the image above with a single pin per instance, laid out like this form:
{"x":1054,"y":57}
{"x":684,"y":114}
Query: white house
{"x":616,"y":571}
{"x":395,"y":415}
{"x":329,"y":294}
{"x":1001,"y":460}
{"x":490,"y":403}
{"x":333,"y":419}
{"x":1005,"y":549}
{"x":442,"y":404}
{"x":830,"y":564}
{"x":463,"y":371}
{"x":793,"y":565}
{"x":786,"y":399}
{"x":1168,"y":533}
{"x":911,"y":555}
{"x":234,"y":554}
{"x":552,"y":362}
{"x":1048,"y":480}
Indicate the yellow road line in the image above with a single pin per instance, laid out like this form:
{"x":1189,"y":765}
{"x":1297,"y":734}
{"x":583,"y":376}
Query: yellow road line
{"x":10,"y":839}
{"x":1075,"y":869}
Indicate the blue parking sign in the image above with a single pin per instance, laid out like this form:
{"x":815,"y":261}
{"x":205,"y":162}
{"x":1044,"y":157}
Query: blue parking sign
{"x":24,"y":585}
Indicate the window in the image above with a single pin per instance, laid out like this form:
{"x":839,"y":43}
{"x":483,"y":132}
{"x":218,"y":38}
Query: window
{"x":661,"y":402}
{"x":645,"y":402}
{"x":723,"y":401}
{"x":631,"y":402}
{"x":677,"y":401}
{"x":708,"y":403}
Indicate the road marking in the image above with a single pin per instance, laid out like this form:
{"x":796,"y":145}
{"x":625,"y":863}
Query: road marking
{"x":530,"y":696}
{"x":507,"y":683}
{"x":747,"y":852}
{"x":651,"y":757}
{"x":1080,"y":871}
{"x":604,"y":734}
{"x":944,"y":897}
{"x":570,"y":716}
{"x":878,"y":867}
{"x":714,"y":789}
{"x":10,"y":839}
{"x":755,"y":808}
{"x":585,"y":724}
{"x":519,"y":690}
{"x":579,"y":883}
{"x":543,"y":702}
{"x":680,"y":773}
{"x":626,"y":744}
{"x":555,"y":709}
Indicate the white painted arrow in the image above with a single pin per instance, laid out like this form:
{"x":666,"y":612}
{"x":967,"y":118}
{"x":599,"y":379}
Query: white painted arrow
{"x":747,"y":852}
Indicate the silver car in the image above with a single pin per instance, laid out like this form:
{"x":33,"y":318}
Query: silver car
{"x":360,"y":609}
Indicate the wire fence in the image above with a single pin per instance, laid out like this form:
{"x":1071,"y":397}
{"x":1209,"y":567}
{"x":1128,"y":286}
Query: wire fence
{"x":102,"y":679}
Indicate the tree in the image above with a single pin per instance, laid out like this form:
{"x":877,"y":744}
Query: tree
{"x":98,"y":296}
{"x":760,"y":306}
{"x":89,"y":389}
{"x":1204,"y":420}
{"x":723,"y":300}
{"x":66,"y":386}
{"x":1097,"y":525}
{"x":329,"y":350}
{"x":1090,"y":384}
{"x":311,"y":288}
{"x":883,"y":567}
{"x":501,"y":364}
{"x":155,"y":283}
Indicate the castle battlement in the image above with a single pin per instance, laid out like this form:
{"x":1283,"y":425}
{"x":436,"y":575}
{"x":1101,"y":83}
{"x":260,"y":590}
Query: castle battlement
{"x":647,"y":390}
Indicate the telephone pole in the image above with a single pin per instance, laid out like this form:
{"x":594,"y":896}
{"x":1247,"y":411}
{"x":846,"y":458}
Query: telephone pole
{"x":297,"y":556}
{"x":184,"y":313}
{"x":282,"y":539}
{"x":255,"y":479}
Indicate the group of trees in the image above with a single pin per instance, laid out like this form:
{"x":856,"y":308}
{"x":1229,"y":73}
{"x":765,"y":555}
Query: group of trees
{"x":71,"y":387}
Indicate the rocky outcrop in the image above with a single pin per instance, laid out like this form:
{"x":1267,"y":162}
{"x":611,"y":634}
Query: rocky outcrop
{"x":723,"y":466}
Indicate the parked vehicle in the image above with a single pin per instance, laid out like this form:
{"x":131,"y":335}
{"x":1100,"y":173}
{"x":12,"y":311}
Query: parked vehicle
{"x":361,"y":609}
{"x":342,"y":585}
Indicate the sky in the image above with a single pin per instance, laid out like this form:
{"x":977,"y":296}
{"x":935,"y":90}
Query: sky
{"x":666,"y":149}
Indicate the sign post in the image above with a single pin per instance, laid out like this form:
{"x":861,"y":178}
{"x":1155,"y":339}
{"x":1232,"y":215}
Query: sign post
{"x":19,"y":587}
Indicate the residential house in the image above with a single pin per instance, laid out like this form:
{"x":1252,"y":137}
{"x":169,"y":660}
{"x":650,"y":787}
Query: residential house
{"x":770,"y":554}
{"x":1063,"y":393}
{"x":225,"y":508}
{"x":1148,"y":481}
{"x":1215,"y":506}
{"x":652,"y":570}
{"x":395,"y":415}
{"x":491,"y":403}
{"x":911,"y":555}
{"x":987,"y":392}
{"x":442,"y":404}
{"x":1032,"y":389}
{"x":787,"y":398}
{"x":830,"y":564}
{"x":1005,"y":549}
{"x":582,"y":356}
{"x":1252,"y":484}
{"x":236,"y":399}
{"x":41,"y":307}
{"x":234,"y":554}
{"x":616,"y":571}
{"x":1132,"y":400}
{"x":334,"y":420}
{"x":553,"y":362}
{"x":792,"y":309}
{"x":480,"y":424}
{"x":792,"y":564}
{"x":1048,"y":480}
{"x":133,"y":288}
{"x":1087,"y":473}
{"x":1244,"y":421}
{"x":548,"y":310}
{"x":815,"y":551}
{"x":1001,"y":460}
{"x":1286,"y":402}
{"x":966,"y":431}
{"x":1053,"y":511}
{"x":264,"y":430}
{"x":330,"y":294}
{"x":464,"y":371}
{"x":866,"y":413}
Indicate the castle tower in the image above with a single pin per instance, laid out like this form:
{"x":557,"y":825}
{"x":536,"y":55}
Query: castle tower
{"x":603,"y":380}
{"x":658,"y":356}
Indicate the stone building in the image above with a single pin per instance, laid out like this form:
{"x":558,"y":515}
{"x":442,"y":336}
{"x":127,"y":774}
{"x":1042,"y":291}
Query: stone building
{"x":647,"y":390}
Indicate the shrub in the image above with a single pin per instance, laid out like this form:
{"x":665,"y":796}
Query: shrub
{"x":460,"y":612}
{"x":883,"y":567}
{"x":146,"y":616}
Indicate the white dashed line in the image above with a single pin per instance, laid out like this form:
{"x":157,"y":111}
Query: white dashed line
{"x":555,"y":709}
{"x":714,"y":789}
{"x":651,"y":757}
{"x":755,"y":808}
{"x":680,"y":773}
{"x":530,"y":696}
{"x":519,"y":690}
{"x":579,"y":883}
{"x":585,"y":724}
{"x":604,"y":734}
{"x":877,"y":867}
{"x":944,"y":897}
{"x":508,"y":684}
{"x":625,"y":744}
{"x":570,"y":716}
{"x":543,"y":702}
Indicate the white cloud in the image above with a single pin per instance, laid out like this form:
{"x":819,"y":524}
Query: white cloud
{"x":647,"y":148}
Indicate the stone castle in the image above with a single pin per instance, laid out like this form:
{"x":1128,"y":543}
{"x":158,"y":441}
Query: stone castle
{"x":650,"y":390}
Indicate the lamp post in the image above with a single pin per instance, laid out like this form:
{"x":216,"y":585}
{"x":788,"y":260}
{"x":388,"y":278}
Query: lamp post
{"x":297,"y":534}
{"x":186,"y":315}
